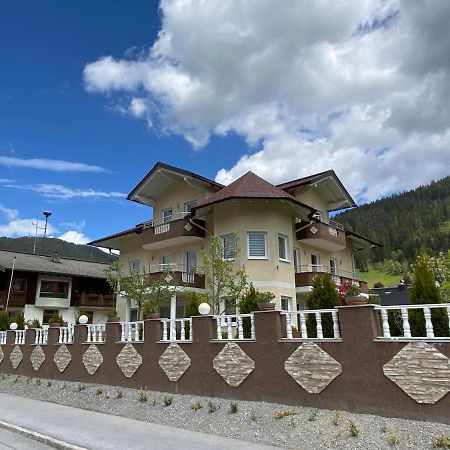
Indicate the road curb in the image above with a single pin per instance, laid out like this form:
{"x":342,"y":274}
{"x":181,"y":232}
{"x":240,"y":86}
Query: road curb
{"x":56,"y":443}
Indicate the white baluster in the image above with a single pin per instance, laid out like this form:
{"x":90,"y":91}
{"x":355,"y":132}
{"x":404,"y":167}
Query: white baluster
{"x":130,"y":331}
{"x":219,"y":328}
{"x":89,"y":334}
{"x":45,"y":338}
{"x":288,"y":326}
{"x":406,"y":327}
{"x":448,"y":315}
{"x":190,"y":329}
{"x":229,"y":328}
{"x":173,"y":331}
{"x":303,"y":329}
{"x":240,"y":328}
{"x":336,"y":331}
{"x":164,"y":330}
{"x":319,"y":325}
{"x":122,"y":332}
{"x":252,"y":324}
{"x":183,"y":331}
{"x":385,"y":323}
{"x":137,"y":325}
{"x":428,"y":323}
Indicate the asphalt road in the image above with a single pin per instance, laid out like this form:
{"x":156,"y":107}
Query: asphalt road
{"x":10,"y":440}
{"x":93,"y":430}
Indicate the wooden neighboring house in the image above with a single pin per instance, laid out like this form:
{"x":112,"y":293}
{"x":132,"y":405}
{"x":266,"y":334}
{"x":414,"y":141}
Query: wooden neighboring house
{"x":42,"y":285}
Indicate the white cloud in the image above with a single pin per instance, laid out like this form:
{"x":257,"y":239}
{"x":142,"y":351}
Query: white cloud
{"x":78,"y":226}
{"x":359,"y":86}
{"x":74,"y":236}
{"x":22,"y":227}
{"x":58,"y":191}
{"x":54,"y":165}
{"x":10,"y":213}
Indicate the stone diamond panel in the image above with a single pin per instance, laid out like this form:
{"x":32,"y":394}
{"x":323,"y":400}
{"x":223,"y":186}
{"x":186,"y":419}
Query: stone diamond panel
{"x":129,"y":360}
{"x":233,"y":364}
{"x":421,"y":371}
{"x":16,"y":357}
{"x":312,"y":368}
{"x":174,"y":362}
{"x":2,"y":355}
{"x":37,"y":357}
{"x":92,"y":359}
{"x":62,"y":358}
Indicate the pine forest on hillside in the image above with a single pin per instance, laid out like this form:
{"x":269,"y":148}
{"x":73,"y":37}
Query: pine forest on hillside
{"x":50,"y":246}
{"x":406,"y":224}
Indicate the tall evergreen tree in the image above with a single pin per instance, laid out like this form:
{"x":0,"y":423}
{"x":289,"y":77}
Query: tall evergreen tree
{"x":324,"y":295}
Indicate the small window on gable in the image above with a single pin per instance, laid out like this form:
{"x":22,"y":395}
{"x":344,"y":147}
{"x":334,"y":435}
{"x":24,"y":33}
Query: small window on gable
{"x":257,"y":244}
{"x":229,"y":245}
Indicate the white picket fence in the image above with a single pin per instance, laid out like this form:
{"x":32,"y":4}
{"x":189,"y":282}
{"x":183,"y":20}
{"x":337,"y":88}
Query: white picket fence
{"x":426,"y":310}
{"x":177,"y":330}
{"x":293,"y":318}
{"x":132,"y":331}
{"x":232,"y":325}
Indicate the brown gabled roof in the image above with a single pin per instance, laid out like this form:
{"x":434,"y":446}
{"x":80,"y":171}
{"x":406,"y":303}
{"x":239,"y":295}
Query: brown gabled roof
{"x":250,"y":185}
{"x":305,"y":180}
{"x":161,"y":165}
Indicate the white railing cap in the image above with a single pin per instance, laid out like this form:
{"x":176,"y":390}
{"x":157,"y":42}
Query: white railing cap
{"x":415,"y":306}
{"x":311,"y":311}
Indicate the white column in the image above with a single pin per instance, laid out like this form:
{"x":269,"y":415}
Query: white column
{"x":173,"y":307}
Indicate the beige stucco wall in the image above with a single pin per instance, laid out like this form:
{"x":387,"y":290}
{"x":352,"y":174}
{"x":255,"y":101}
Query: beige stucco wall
{"x":176,"y":195}
{"x":310,"y":196}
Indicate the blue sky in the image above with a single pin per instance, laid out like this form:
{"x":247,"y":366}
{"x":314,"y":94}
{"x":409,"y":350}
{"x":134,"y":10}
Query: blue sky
{"x":92,"y":94}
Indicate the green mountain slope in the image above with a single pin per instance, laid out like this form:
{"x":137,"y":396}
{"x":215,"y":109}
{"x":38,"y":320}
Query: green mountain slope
{"x":48,"y":246}
{"x":405,"y":224}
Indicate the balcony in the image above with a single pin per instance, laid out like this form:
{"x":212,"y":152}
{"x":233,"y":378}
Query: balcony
{"x":325,"y":236}
{"x":96,"y":301}
{"x":52,"y":302}
{"x":181,"y":275}
{"x":16,"y":299}
{"x":177,"y":231}
{"x":304,"y":277}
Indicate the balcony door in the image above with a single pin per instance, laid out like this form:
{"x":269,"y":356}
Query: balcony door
{"x":334,"y":271}
{"x":315,"y":262}
{"x":190,"y":265}
{"x":166,"y":215}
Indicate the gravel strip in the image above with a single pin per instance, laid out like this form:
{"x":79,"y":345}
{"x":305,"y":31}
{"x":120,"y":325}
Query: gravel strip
{"x":300,"y":427}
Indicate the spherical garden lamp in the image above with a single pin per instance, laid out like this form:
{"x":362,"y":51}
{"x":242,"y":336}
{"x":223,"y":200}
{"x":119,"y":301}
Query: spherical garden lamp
{"x":13,"y":326}
{"x":204,"y":309}
{"x":83,"y":319}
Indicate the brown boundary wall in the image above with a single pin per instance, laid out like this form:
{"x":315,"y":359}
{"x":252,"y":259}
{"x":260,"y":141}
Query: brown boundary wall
{"x":361,"y":387}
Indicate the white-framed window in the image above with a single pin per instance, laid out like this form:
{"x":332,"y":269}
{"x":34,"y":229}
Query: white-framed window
{"x":133,"y":315}
{"x":283,"y":247}
{"x":333,"y":266}
{"x":188,"y":206}
{"x":296,"y":254}
{"x":229,"y":245}
{"x":165,"y":262}
{"x":257,"y":245}
{"x":135,"y":264}
{"x":166,"y":215}
{"x":315,"y":262}
{"x":286,"y":303}
{"x":54,"y":289}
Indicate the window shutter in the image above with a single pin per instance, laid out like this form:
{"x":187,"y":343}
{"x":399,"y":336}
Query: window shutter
{"x":281,"y":247}
{"x":257,"y":244}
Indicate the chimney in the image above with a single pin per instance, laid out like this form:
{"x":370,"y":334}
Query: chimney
{"x":56,"y":258}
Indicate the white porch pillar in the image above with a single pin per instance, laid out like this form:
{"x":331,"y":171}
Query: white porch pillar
{"x":173,"y":306}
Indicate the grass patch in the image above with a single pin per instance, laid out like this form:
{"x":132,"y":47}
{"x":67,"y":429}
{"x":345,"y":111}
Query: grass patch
{"x":98,"y":391}
{"x":393,"y":439}
{"x":212,"y":407}
{"x":336,"y":417}
{"x":168,"y":401}
{"x":233,"y":408}
{"x":142,"y":396}
{"x":196,"y":406}
{"x":441,"y":442}
{"x":353,"y":429}
{"x":374,"y":276}
{"x":285,"y":413}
